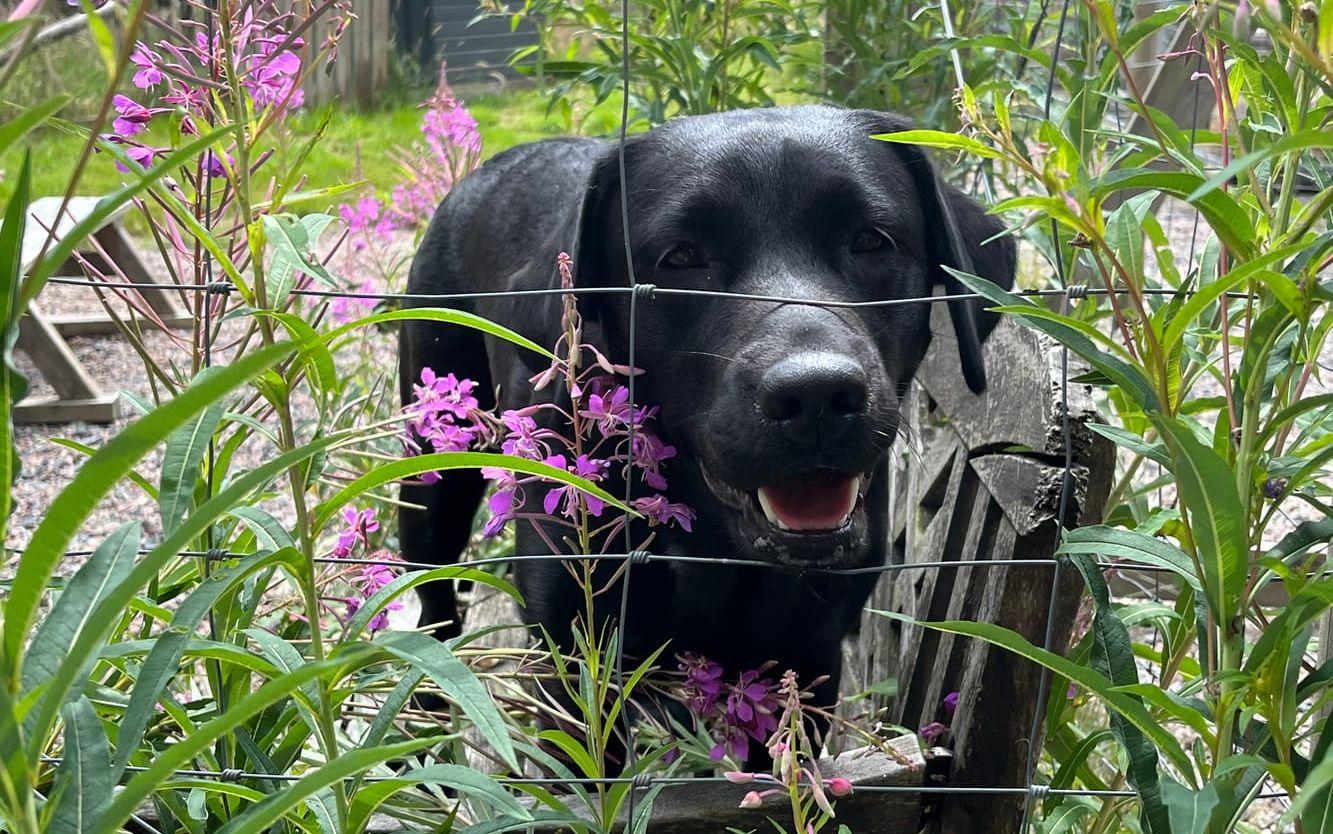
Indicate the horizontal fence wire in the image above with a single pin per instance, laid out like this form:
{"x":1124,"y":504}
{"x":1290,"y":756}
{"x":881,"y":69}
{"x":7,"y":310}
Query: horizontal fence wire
{"x":1074,"y":291}
{"x":643,"y":557}
{"x":648,"y":780}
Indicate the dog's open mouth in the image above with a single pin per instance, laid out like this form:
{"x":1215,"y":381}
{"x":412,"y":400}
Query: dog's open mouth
{"x":813,"y":502}
{"x":816,"y":502}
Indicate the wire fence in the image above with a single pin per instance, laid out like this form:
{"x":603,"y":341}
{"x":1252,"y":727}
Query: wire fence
{"x":639,"y":293}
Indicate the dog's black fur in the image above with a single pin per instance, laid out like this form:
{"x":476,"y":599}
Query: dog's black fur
{"x":792,"y":202}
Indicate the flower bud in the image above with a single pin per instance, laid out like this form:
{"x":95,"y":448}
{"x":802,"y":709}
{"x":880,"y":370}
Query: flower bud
{"x":840,"y":786}
{"x":752,"y":800}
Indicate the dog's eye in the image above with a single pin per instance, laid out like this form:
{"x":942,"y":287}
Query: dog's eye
{"x":681,"y":256}
{"x":871,"y":239}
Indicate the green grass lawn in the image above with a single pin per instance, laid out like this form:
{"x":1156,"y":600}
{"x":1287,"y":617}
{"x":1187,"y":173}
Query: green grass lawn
{"x":357,"y":145}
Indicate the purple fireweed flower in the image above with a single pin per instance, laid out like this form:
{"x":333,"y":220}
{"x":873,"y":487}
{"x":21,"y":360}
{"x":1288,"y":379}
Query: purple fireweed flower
{"x":360,"y":524}
{"x":752,"y":704}
{"x":659,"y":510}
{"x":1274,"y":487}
{"x":610,"y":410}
{"x":143,"y":155}
{"x":504,"y":506}
{"x":932,"y":731}
{"x":451,"y":125}
{"x":132,"y":118}
{"x":565,"y":499}
{"x":344,"y":309}
{"x":703,"y":683}
{"x":149,"y":73}
{"x":273,"y":76}
{"x":367,"y":220}
{"x":214,"y":166}
{"x":951,"y":703}
{"x":524,"y":439}
{"x":649,"y":452}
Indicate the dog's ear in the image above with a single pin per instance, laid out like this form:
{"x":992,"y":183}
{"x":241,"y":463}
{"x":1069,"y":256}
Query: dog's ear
{"x":960,"y":235}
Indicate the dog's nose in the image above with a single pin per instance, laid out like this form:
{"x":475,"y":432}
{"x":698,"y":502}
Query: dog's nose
{"x":806,"y":392}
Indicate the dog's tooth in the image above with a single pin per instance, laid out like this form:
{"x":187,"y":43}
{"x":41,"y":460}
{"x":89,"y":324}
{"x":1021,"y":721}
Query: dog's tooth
{"x":769,"y":513}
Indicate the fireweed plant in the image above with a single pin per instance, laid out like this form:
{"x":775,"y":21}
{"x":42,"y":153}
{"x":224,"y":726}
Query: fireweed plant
{"x":1209,"y":368}
{"x":163,"y":654}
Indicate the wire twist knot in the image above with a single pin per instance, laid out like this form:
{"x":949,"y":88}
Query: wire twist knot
{"x":638,"y":557}
{"x":645,"y":291}
{"x":230,"y":774}
{"x":1039,"y":792}
{"x":642,"y":780}
{"x":218,"y":287}
{"x":1076,"y":292}
{"x":216,"y":554}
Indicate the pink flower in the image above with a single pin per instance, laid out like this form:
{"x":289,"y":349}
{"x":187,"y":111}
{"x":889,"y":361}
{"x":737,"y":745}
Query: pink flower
{"x":951,"y":703}
{"x":839,"y":786}
{"x":932,"y":731}
{"x":360,"y":524}
{"x":661,"y":511}
{"x":149,"y":74}
{"x":753,"y":799}
{"x":738,"y":777}
{"x":132,"y":118}
{"x":504,"y":506}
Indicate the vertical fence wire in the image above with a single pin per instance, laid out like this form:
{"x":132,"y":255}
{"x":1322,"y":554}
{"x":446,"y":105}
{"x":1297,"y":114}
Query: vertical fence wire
{"x":622,"y":624}
{"x":1043,"y":678}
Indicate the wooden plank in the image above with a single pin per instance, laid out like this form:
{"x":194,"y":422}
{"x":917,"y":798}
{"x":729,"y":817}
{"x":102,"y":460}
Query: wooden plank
{"x":53,"y":409}
{"x":58,"y":364}
{"x":98,"y":324}
{"x":121,"y":252}
{"x":42,"y":218}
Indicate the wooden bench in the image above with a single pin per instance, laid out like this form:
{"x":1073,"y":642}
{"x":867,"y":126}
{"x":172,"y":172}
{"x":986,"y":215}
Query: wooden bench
{"x":42,"y":336}
{"x":981,"y":481}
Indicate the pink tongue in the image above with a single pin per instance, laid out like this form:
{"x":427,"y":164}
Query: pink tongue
{"x":812,"y":500}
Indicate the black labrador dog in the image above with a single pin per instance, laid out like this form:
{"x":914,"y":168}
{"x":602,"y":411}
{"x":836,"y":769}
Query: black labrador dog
{"x":782,"y":413}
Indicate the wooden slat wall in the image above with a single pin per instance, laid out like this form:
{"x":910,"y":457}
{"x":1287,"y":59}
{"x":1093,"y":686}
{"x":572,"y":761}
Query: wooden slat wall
{"x":361,"y":73}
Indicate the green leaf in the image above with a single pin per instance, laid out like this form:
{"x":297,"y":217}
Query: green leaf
{"x":95,"y":478}
{"x":1224,"y":215}
{"x":109,"y":564}
{"x":314,"y":353}
{"x":1305,"y":140}
{"x":30,"y":118}
{"x":101,"y":37}
{"x":84,"y":779}
{"x":426,"y":654}
{"x":163,"y":662}
{"x":261,"y":817}
{"x":180,"y":462}
{"x":183,"y":750}
{"x":401,"y":584}
{"x":1129,"y":378}
{"x":467,"y":782}
{"x":1131,"y":545}
{"x":1113,"y":656}
{"x":459,"y":317}
{"x":13,"y":385}
{"x":1089,"y":679}
{"x":1133,"y":442}
{"x":1207,"y":487}
{"x":941,"y":139}
{"x":119,"y":598}
{"x":441,"y":461}
{"x":1191,"y":810}
{"x":294,"y":240}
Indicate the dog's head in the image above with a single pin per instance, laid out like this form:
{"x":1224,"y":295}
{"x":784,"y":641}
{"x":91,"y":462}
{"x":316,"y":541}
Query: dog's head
{"x":781,"y":411}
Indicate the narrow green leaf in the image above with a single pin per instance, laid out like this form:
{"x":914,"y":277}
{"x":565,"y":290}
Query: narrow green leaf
{"x":13,"y":385}
{"x":106,"y":568}
{"x":1089,"y":679}
{"x":467,"y":782}
{"x":96,"y":477}
{"x":181,"y":460}
{"x":163,"y":662}
{"x":1217,"y":518}
{"x":1224,"y":214}
{"x":1129,"y":378}
{"x":1305,"y":140}
{"x":177,"y":755}
{"x":941,"y":139}
{"x":1131,"y":545}
{"x":426,"y":654}
{"x":408,"y":581}
{"x":1113,"y":657}
{"x":442,"y":461}
{"x":84,"y":779}
{"x":439,"y":314}
{"x":30,"y":118}
{"x":293,"y":241}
